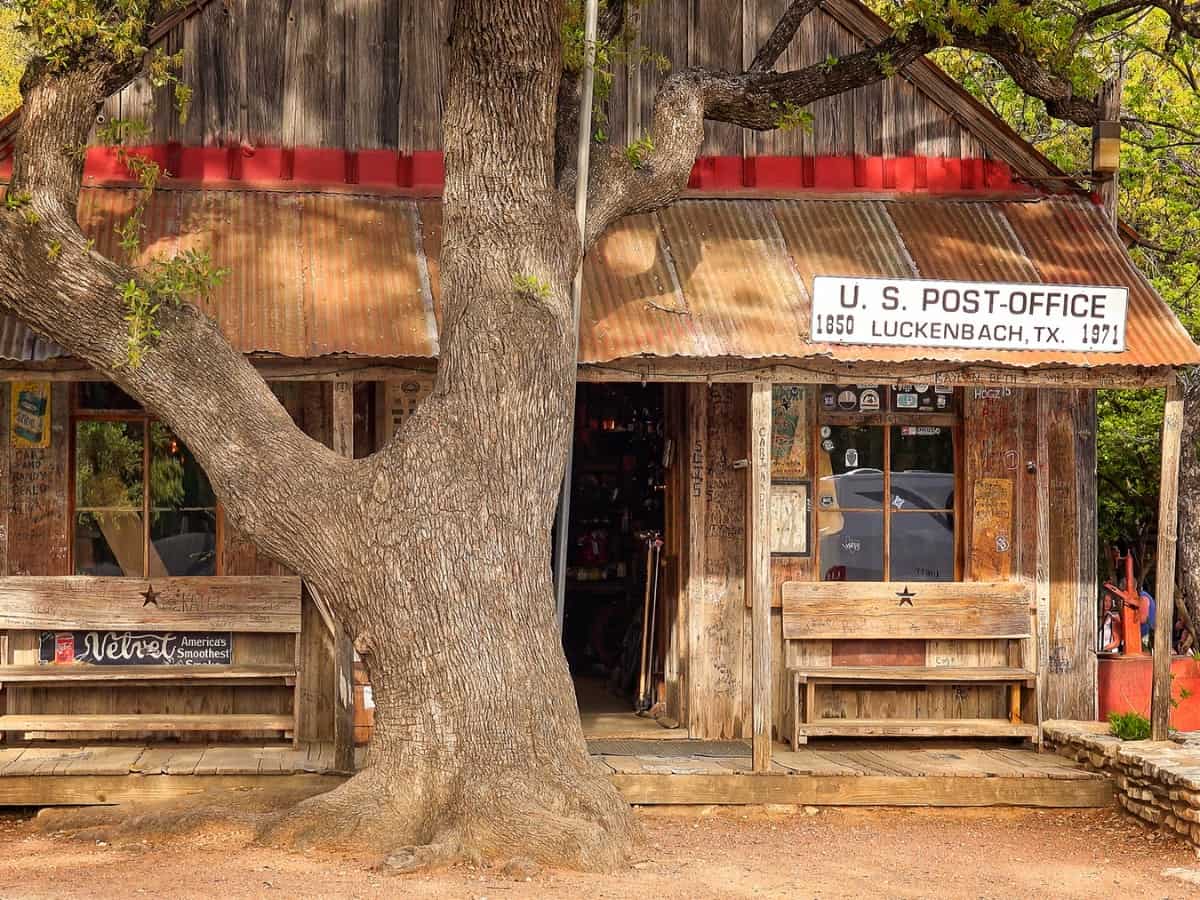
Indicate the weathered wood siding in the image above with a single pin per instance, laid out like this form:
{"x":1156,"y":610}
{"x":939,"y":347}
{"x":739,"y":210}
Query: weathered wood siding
{"x":371,"y":74}
{"x":35,"y":535}
{"x":1001,"y":431}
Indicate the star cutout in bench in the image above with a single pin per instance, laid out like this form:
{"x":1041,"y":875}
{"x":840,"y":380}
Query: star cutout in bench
{"x":151,"y":596}
{"x":906,"y":596}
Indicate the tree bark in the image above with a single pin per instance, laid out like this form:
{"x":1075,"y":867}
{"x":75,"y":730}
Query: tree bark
{"x":434,"y":552}
{"x":1188,"y":569}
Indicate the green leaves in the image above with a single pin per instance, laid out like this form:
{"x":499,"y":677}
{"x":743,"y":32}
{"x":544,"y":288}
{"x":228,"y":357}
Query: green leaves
{"x":530,"y":287}
{"x":637,"y":151}
{"x":792,"y":116}
{"x":62,"y":31}
{"x":188,"y":275}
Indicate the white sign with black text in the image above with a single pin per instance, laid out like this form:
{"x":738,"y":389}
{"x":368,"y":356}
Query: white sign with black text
{"x":909,"y":312}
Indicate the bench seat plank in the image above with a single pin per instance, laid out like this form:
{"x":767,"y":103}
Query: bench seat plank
{"x":883,"y":610}
{"x":914,"y":728}
{"x":907,"y":674}
{"x":70,"y":675}
{"x":148,"y":722}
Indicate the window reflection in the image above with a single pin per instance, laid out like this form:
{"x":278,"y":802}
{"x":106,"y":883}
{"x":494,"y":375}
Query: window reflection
{"x":108,"y":498}
{"x":118,"y":529}
{"x":183,"y":520}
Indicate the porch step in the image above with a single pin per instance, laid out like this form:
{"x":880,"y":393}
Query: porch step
{"x":149,"y":722}
{"x":75,"y":675}
{"x":915,"y":728}
{"x":907,"y":674}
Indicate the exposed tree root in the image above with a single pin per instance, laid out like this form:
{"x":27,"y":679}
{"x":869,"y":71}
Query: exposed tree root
{"x":561,"y":820}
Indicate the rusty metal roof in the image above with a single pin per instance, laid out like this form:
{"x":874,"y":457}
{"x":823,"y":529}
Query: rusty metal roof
{"x":736,"y":275}
{"x":313,"y":274}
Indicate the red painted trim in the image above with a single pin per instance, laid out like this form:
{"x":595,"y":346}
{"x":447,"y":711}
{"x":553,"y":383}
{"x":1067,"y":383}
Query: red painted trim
{"x":424,"y":171}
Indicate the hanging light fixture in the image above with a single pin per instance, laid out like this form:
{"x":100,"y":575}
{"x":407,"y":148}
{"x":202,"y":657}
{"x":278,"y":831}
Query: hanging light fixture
{"x":1106,"y":147}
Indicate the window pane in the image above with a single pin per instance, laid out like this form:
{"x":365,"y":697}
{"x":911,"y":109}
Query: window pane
{"x":851,"y":467}
{"x":109,"y":535}
{"x":922,"y":546}
{"x":104,"y":395}
{"x":183,"y":521}
{"x":184,"y":543}
{"x":108,"y":465}
{"x":109,"y":543}
{"x":922,"y":467}
{"x":851,"y":546}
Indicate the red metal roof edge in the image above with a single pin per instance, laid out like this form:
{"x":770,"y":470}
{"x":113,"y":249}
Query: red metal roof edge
{"x":422,"y":173}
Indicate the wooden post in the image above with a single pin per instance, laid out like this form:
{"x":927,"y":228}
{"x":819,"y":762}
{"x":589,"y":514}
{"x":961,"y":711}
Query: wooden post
{"x":1168,"y":523}
{"x":1042,"y":567}
{"x":343,"y":647}
{"x":1108,"y":187}
{"x":697,"y":522}
{"x":758,"y":566}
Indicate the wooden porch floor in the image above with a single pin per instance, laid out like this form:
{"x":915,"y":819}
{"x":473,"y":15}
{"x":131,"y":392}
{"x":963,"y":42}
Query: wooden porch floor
{"x":648,"y":772}
{"x":849,"y":773}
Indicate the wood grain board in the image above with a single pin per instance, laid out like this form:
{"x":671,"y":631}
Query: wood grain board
{"x":879,"y":610}
{"x":148,"y":722}
{"x":67,"y":675}
{"x":212,"y":603}
{"x":656,"y":772}
{"x":901,"y":674}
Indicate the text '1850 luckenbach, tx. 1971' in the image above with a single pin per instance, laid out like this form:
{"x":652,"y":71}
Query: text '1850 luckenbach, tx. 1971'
{"x":908,"y":312}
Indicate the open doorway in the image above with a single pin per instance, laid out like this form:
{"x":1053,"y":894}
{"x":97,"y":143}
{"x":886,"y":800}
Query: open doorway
{"x":615,"y":597}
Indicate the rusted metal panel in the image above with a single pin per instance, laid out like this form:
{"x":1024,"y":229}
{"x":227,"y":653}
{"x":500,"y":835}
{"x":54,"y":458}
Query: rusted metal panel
{"x":631,"y":296}
{"x":737,"y":279}
{"x":309,"y":274}
{"x":1071,"y":242}
{"x":313,"y":274}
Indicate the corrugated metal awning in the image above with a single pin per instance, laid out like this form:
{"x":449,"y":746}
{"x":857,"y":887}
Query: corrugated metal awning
{"x":313,"y":274}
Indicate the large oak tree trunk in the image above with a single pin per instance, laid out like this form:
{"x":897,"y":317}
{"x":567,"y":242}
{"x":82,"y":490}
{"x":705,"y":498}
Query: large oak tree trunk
{"x":477,"y":745}
{"x":435,"y":551}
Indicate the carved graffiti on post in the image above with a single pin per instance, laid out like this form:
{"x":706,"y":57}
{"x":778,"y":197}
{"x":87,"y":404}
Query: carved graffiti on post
{"x":992,"y":527}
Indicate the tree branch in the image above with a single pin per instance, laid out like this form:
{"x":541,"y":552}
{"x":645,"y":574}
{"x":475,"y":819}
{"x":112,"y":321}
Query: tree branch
{"x":766,"y":100}
{"x":782,"y":35}
{"x":613,"y":21}
{"x":262,"y":466}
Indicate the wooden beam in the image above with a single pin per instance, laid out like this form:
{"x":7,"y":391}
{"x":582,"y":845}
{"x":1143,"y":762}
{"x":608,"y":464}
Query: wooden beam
{"x":255,"y":603}
{"x":697,"y":511}
{"x":1168,"y":526}
{"x":864,"y":790}
{"x":892,"y":609}
{"x":758,"y":567}
{"x":343,"y":646}
{"x":147,"y":722}
{"x":818,"y":371}
{"x":1042,"y":563}
{"x":715,"y":369}
{"x":106,"y":790}
{"x":343,"y":418}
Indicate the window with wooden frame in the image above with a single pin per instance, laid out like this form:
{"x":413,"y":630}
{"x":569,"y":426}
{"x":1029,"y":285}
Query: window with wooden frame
{"x":141,"y":504}
{"x":887,"y":483}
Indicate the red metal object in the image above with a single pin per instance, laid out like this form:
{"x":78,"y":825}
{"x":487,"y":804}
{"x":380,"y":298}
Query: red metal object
{"x":1124,"y":686}
{"x":1132,"y":612}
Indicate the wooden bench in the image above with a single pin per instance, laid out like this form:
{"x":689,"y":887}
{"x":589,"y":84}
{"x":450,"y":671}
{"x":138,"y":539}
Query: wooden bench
{"x":243,"y":606}
{"x":942,"y":611}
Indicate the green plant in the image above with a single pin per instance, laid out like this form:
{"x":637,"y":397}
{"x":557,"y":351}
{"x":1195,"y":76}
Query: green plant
{"x":637,"y":151}
{"x":792,"y":116}
{"x":530,"y":287}
{"x":1130,"y":726}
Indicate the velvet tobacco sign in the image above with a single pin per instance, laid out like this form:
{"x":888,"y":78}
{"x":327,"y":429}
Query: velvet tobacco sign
{"x":980,"y":315}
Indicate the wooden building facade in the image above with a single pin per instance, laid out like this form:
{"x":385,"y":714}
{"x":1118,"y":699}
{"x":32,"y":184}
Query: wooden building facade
{"x":859,"y":540}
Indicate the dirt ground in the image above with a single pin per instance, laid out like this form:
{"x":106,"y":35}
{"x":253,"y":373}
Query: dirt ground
{"x":692,"y":853}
